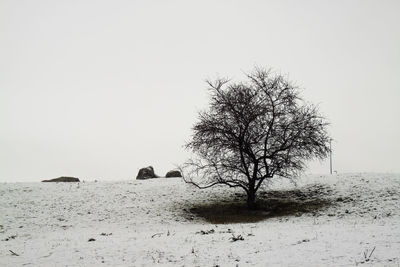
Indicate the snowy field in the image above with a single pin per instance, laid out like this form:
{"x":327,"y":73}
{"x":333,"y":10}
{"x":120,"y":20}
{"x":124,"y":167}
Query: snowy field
{"x":339,"y":220}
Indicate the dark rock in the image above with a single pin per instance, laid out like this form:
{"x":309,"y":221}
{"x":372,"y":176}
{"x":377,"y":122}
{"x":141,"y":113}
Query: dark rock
{"x":146,"y":173}
{"x":63,"y":179}
{"x":173,"y":174}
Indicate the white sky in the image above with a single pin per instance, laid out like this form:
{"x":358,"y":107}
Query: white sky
{"x":99,"y":89}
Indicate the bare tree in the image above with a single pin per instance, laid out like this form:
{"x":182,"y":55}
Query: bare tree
{"x":253,"y":131}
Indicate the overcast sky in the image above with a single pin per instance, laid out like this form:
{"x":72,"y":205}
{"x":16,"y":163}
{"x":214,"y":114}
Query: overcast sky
{"x":98,"y":89}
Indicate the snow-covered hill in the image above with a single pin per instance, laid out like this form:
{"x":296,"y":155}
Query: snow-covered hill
{"x":337,"y":220}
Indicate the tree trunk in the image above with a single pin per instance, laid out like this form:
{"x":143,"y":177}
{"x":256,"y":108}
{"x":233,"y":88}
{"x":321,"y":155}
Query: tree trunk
{"x":251,"y":200}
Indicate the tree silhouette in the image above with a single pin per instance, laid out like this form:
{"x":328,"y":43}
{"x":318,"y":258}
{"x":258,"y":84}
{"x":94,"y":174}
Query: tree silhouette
{"x":253,"y":131}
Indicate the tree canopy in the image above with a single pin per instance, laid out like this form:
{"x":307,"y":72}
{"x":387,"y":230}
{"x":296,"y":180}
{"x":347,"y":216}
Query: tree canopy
{"x":253,"y":131}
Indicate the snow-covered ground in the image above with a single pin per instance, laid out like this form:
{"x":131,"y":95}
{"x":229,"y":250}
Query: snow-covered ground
{"x":339,"y":220}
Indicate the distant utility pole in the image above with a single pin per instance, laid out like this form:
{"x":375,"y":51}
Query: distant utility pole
{"x":330,"y":155}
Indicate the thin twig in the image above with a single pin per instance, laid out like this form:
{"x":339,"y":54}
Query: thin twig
{"x":12,"y":252}
{"x":371,"y":252}
{"x":156,"y":235}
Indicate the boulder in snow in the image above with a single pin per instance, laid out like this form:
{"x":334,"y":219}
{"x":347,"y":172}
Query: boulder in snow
{"x":63,"y":179}
{"x":173,"y":173}
{"x":146,"y":173}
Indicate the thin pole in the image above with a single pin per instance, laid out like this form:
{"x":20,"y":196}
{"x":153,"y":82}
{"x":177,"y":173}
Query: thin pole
{"x":330,"y":155}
